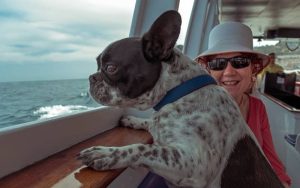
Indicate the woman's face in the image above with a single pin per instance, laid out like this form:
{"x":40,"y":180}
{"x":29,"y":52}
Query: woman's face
{"x":235,"y":80}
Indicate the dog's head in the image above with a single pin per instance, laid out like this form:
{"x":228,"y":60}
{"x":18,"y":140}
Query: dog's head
{"x":128,"y":69}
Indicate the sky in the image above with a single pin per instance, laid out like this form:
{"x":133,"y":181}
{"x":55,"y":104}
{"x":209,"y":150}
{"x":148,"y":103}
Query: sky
{"x":60,"y":39}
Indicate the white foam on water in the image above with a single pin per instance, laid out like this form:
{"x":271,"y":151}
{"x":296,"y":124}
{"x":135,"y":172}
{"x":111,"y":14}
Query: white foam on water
{"x":84,"y":94}
{"x":58,"y":110}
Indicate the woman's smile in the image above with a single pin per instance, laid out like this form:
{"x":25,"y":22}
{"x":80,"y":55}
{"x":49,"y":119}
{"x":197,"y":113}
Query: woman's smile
{"x":230,"y":83}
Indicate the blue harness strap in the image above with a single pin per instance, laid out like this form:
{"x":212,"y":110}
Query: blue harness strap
{"x":184,"y":89}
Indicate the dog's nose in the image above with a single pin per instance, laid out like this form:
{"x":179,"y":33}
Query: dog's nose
{"x":95,"y":77}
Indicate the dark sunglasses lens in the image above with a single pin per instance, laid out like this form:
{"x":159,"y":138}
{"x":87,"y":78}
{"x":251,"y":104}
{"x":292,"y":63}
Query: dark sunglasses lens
{"x":236,"y":62}
{"x":240,"y":62}
{"x":217,"y":64}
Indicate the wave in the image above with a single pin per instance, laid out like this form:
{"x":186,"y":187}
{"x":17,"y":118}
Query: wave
{"x":84,"y":94}
{"x":42,"y":100}
{"x":57,"y":110}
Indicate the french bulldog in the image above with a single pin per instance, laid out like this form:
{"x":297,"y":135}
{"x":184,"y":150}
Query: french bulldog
{"x":200,"y":139}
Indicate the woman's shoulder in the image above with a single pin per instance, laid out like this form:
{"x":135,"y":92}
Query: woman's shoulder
{"x":257,"y":115}
{"x":256,"y":103}
{"x":255,"y":100}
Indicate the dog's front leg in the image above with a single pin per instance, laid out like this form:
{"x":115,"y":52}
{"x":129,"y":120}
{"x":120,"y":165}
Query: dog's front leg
{"x":155,"y":157}
{"x":135,"y":122}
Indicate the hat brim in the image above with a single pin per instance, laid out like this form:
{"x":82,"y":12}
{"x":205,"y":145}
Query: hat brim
{"x":224,"y":49}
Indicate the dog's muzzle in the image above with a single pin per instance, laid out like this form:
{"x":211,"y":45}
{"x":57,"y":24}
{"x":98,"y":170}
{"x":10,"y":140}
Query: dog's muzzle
{"x":95,"y":78}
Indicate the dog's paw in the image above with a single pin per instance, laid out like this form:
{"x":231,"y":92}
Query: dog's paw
{"x":135,"y":122}
{"x":126,"y":121}
{"x":100,"y":158}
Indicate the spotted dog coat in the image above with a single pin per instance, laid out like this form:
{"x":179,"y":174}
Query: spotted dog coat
{"x":200,"y":140}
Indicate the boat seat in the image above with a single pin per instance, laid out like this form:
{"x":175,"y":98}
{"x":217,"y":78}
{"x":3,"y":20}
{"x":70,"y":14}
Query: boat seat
{"x":64,"y":170}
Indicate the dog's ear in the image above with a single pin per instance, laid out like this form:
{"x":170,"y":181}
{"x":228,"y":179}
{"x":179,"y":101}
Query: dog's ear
{"x":159,"y":41}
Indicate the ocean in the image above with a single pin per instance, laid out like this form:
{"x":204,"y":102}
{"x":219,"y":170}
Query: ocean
{"x":27,"y":101}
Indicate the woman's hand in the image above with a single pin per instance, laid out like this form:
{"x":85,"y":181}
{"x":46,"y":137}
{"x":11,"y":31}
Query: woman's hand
{"x":285,"y":185}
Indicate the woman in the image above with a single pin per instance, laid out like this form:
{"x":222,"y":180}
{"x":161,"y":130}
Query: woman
{"x":230,"y":59}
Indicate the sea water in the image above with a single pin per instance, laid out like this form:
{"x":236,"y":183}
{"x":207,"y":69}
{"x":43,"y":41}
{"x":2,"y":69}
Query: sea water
{"x":22,"y":102}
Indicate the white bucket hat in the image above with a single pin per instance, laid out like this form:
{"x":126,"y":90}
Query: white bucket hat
{"x":233,"y":37}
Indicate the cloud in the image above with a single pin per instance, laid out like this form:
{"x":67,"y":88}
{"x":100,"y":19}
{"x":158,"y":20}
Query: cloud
{"x":43,"y":32}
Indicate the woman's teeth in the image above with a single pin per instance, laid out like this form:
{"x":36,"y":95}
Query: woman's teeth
{"x":230,"y":83}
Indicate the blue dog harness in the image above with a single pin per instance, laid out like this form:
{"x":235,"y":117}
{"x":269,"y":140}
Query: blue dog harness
{"x":184,"y":89}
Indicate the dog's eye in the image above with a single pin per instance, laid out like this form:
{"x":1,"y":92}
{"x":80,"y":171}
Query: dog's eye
{"x":111,"y":69}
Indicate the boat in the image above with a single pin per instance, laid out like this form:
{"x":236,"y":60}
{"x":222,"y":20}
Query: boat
{"x":42,"y":153}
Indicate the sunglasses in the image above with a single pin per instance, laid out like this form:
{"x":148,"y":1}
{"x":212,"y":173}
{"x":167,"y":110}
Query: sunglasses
{"x":238,"y":62}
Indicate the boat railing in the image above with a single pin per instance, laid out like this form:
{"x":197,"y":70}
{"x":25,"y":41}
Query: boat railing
{"x":43,"y":154}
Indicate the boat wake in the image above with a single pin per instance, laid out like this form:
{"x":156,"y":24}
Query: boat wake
{"x":58,"y":110}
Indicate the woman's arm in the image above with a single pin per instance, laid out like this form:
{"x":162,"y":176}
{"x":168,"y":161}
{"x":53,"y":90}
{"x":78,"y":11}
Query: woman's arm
{"x":269,"y":150}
